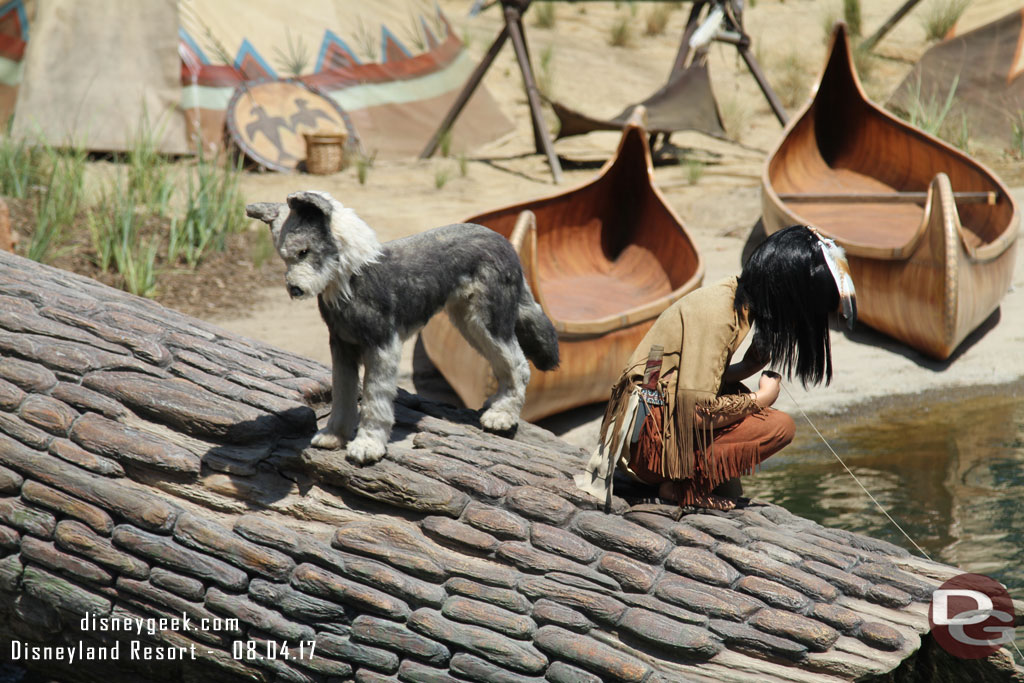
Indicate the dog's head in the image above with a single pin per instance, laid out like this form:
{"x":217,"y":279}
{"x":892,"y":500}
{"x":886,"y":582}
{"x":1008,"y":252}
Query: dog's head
{"x":321,"y":242}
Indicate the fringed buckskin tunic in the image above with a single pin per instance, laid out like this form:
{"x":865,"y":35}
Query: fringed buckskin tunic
{"x":699,"y":334}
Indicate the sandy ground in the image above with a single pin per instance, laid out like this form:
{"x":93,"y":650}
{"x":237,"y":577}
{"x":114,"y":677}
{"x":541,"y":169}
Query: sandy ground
{"x":721,"y":209}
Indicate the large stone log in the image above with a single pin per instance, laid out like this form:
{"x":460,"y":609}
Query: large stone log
{"x":163,"y":517}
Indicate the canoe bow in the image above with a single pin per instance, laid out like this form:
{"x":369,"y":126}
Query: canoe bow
{"x":603,"y":260}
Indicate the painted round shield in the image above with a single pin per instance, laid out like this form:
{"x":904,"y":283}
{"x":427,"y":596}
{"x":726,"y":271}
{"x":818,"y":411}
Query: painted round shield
{"x":268,"y":121}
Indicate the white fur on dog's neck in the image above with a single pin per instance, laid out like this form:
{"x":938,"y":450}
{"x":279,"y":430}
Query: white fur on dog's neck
{"x":357,"y":247}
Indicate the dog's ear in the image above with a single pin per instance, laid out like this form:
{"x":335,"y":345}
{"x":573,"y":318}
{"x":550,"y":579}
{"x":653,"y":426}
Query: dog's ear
{"x":264,"y":211}
{"x":269,"y":213}
{"x":318,"y":201}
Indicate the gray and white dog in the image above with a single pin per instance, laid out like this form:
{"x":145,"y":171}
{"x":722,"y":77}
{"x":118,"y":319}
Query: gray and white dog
{"x":373,"y":295}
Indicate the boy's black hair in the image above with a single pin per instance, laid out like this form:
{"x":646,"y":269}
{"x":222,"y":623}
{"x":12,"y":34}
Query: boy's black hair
{"x":789,"y":293}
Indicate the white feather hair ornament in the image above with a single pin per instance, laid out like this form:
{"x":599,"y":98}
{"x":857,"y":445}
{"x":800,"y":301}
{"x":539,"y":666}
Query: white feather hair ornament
{"x":835,"y":257}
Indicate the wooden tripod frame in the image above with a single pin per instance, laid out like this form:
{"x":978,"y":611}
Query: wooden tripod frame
{"x":734,"y":34}
{"x":513,"y":11}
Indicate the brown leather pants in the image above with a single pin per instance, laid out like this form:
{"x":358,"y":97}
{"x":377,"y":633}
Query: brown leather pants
{"x":736,"y":449}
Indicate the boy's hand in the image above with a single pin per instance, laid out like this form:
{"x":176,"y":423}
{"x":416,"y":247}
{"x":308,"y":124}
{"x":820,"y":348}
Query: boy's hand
{"x":768,"y":388}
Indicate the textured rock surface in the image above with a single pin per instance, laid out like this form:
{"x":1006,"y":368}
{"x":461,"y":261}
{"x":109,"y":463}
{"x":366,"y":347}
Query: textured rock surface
{"x":152,"y":466}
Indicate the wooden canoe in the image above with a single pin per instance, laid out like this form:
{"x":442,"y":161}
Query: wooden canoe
{"x":930,"y":233}
{"x":603,"y":260}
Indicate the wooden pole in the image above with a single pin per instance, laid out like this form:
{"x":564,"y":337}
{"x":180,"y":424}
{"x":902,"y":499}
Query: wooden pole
{"x":512,"y":22}
{"x":538,"y":140}
{"x":989,"y":198}
{"x":467,"y":92}
{"x":762,"y":82}
{"x":683,"y":54}
{"x":887,"y":26}
{"x":735,"y":35}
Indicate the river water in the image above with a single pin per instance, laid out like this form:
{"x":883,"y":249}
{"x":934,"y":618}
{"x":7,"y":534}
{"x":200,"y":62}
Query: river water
{"x":948,"y":467}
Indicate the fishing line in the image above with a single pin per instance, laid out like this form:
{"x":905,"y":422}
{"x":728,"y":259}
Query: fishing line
{"x":873,"y":499}
{"x":850,"y":472}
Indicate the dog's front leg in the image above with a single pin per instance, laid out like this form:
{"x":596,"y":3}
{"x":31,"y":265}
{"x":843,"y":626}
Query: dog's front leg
{"x":344,"y":396}
{"x":377,"y":414}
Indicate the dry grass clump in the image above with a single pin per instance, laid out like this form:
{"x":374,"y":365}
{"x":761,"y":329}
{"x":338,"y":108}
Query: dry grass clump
{"x":736,"y":114}
{"x":828,"y":22}
{"x":932,"y":115}
{"x":546,"y":72}
{"x":694,"y":170}
{"x":1017,"y":135}
{"x":441,"y":177}
{"x":297,"y":58}
{"x":940,"y":16}
{"x":367,"y":42}
{"x":657,"y":19}
{"x":544,"y":14}
{"x":851,"y":15}
{"x":791,"y":80}
{"x":621,"y":32}
{"x":363,"y":164}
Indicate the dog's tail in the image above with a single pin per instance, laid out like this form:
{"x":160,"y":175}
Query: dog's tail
{"x":535,"y":333}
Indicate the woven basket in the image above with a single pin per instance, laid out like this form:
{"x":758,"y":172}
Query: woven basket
{"x":325,"y":152}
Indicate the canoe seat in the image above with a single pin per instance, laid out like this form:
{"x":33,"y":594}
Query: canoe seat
{"x":885,"y":225}
{"x":889,"y":226}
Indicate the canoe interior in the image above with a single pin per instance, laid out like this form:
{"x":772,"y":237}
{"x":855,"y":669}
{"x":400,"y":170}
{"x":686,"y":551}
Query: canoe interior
{"x":607,"y":247}
{"x":846,"y":144}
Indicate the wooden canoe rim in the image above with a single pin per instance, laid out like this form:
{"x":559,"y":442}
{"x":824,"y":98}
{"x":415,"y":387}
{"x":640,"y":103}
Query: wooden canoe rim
{"x":838,"y":104}
{"x":630,"y":172}
{"x":524,"y":241}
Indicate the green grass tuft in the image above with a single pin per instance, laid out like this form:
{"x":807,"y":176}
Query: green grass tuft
{"x":932,"y":116}
{"x":694,"y":170}
{"x":851,"y":15}
{"x":791,"y":81}
{"x":21,"y":167}
{"x":366,"y":41}
{"x":56,"y":199}
{"x":261,"y":248}
{"x":940,"y":17}
{"x":1017,"y":135}
{"x":297,"y":57}
{"x":621,"y":32}
{"x":214,"y":208}
{"x":544,"y":14}
{"x":149,"y":172}
{"x":441,"y":177}
{"x":656,"y":20}
{"x":736,"y":114}
{"x":546,"y":72}
{"x":444,"y":143}
{"x":116,"y":228}
{"x":363,"y":164}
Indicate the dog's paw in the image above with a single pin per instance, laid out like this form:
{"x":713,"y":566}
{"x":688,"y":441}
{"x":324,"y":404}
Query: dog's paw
{"x":364,"y":450}
{"x":498,"y":420}
{"x":326,"y":439}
